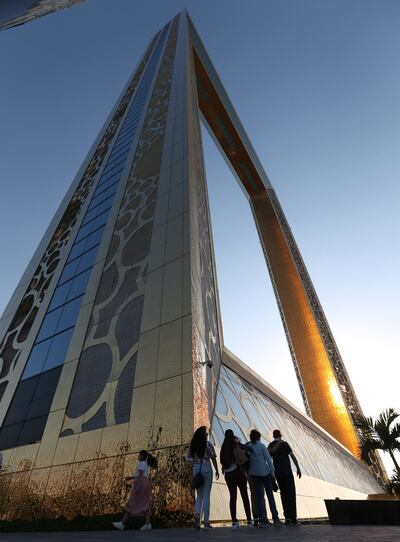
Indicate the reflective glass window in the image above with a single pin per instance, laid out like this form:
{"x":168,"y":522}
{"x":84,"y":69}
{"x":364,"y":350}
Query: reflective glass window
{"x":36,"y":359}
{"x":100,"y":220}
{"x":60,"y":296}
{"x":77,"y":250}
{"x":129,"y":129}
{"x":122,"y":145}
{"x":58,"y":349}
{"x":94,"y":238}
{"x":83,"y":232}
{"x":32,"y":430}
{"x":112,"y":168}
{"x":110,"y":179}
{"x":69,"y":314}
{"x":109,"y":191}
{"x":86,"y":260}
{"x":102,"y":190}
{"x":130,"y":122}
{"x":118,"y":154}
{"x":49,"y":324}
{"x":79,"y":284}
{"x":9,"y":435}
{"x":69,"y":271}
{"x":106,"y":204}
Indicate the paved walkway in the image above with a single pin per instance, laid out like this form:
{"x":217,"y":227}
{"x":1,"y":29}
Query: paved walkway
{"x":309,"y":533}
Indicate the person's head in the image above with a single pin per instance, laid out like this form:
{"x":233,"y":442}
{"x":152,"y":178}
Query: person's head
{"x":199,"y":442}
{"x":152,"y":461}
{"x":255,"y":435}
{"x":226,"y":455}
{"x":276,"y":433}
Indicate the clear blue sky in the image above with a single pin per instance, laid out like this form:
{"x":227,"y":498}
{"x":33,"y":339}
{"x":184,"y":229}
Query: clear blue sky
{"x":316,"y":84}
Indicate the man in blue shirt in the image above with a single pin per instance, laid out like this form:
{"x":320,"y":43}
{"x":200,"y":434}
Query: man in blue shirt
{"x":262,"y":473}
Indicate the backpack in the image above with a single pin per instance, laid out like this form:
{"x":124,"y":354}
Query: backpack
{"x":241,"y":458}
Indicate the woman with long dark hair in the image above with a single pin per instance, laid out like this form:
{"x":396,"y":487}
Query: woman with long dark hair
{"x":139,"y":502}
{"x":202,"y":454}
{"x":234,"y":477}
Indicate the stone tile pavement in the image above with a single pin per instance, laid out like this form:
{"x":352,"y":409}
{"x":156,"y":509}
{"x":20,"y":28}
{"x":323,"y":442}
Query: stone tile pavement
{"x":309,"y":533}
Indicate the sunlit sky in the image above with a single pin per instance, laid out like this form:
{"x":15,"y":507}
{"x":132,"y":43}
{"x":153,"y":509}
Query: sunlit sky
{"x":316,"y":85}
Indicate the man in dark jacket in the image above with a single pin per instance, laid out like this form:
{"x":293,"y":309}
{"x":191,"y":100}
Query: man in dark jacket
{"x":281,"y":453}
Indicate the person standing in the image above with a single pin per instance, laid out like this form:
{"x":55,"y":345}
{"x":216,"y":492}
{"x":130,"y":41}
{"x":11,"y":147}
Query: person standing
{"x":234,"y":477}
{"x":262,"y":473}
{"x":139,"y":502}
{"x":281,"y":453}
{"x":202,"y":454}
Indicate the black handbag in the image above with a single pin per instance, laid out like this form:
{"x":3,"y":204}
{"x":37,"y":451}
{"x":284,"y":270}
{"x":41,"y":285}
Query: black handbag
{"x":198,"y":479}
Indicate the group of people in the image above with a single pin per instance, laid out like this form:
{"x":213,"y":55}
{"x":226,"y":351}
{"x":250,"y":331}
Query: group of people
{"x":264,"y":469}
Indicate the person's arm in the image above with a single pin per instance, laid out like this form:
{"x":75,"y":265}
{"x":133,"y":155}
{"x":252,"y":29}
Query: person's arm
{"x":214,"y":462}
{"x":213,"y":457}
{"x":296,"y":463}
{"x":268,"y":460}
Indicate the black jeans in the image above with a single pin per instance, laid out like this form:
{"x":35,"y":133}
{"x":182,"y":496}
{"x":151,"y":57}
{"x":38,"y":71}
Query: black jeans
{"x":288,"y":495}
{"x":237,"y":479}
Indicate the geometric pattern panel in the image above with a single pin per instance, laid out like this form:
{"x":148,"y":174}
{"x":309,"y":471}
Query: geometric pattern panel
{"x":57,"y":327}
{"x":103,"y":386}
{"x":241,"y":407}
{"x":15,"y":338}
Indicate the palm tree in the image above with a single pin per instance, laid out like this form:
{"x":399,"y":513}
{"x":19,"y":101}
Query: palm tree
{"x":381,"y":434}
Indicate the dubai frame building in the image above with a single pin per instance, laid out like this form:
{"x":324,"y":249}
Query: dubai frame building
{"x":112,"y":341}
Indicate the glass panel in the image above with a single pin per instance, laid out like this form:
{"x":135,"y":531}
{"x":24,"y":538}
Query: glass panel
{"x":118,"y":154}
{"x":101,"y":220}
{"x":102,"y":190}
{"x":94,"y":238}
{"x":77,"y":250}
{"x":83,"y":232}
{"x":129,"y":129}
{"x":32,"y":430}
{"x":109,"y":191}
{"x":79,"y":284}
{"x":36,"y":359}
{"x":49,"y":324}
{"x":60,"y":296}
{"x":69,"y":271}
{"x":86,"y":260}
{"x":69,"y":314}
{"x":110,"y":179}
{"x":58,"y":349}
{"x":110,"y":170}
{"x":9,"y":435}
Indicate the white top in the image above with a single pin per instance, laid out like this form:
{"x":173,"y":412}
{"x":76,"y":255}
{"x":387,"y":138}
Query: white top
{"x":141,"y":466}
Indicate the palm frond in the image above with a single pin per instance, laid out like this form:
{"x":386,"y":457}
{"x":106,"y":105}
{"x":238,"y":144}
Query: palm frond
{"x":387,"y":417}
{"x":368,"y":446}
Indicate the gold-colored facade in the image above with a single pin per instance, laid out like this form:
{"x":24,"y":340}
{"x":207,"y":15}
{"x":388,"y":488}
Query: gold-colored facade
{"x":137,"y":372}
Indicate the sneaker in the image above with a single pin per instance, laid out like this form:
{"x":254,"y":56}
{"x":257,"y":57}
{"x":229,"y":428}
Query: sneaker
{"x":288,"y":522}
{"x":256,"y":523}
{"x":235,"y":525}
{"x":197,"y":521}
{"x":250,"y":525}
{"x":119,"y":525}
{"x":277,"y":522}
{"x":146,"y":527}
{"x":295,"y":523}
{"x":207,"y":527}
{"x":264,"y":525}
